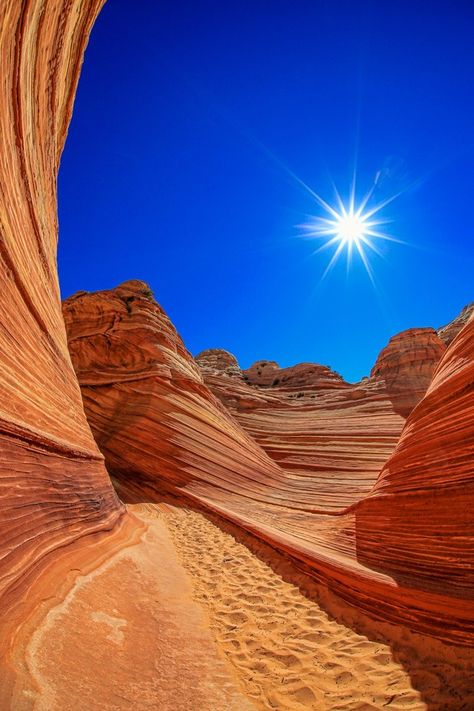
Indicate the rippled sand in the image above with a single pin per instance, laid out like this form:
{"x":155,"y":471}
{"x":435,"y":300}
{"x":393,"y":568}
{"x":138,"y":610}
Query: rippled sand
{"x":289,"y":652}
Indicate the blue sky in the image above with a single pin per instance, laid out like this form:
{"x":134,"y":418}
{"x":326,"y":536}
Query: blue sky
{"x":190,"y":119}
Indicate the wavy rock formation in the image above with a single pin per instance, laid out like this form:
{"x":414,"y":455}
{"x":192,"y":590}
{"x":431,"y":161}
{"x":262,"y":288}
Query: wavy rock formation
{"x":450,"y":331}
{"x":329,"y":436}
{"x":73,"y":564}
{"x":283,"y":465}
{"x":418,"y":523}
{"x":407,"y":364}
{"x":158,"y":425}
{"x":54,"y":488}
{"x":162,"y":431}
{"x":300,"y":376}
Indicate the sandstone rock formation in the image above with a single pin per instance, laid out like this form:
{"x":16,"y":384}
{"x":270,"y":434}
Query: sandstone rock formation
{"x":407,"y":364}
{"x":162,"y":430}
{"x":450,"y":331}
{"x":298,"y":471}
{"x":75,"y":568}
{"x":418,"y":523}
{"x":302,"y":376}
{"x":158,"y":425}
{"x":54,"y":488}
{"x":329,"y":436}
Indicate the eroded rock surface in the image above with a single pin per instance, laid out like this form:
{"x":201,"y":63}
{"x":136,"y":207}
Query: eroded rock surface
{"x":284,"y":466}
{"x":450,"y":331}
{"x":406,"y":365}
{"x":54,"y":489}
{"x":163,"y":431}
{"x":158,"y":425}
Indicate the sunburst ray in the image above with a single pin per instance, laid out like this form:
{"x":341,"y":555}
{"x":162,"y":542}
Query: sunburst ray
{"x":350,"y":226}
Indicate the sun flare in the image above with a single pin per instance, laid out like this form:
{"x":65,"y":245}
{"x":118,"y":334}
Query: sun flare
{"x":355,"y":228}
{"x":349,"y":228}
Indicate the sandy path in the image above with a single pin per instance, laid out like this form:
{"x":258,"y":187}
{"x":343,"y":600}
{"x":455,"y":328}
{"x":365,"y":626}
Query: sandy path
{"x":290,"y":654}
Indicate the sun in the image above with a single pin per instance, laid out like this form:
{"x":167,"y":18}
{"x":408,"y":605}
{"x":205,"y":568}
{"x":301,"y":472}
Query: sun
{"x":352,"y":227}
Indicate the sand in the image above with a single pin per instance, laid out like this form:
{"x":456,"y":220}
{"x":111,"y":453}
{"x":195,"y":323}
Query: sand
{"x":217,"y":621}
{"x":293,"y":650}
{"x":129,"y":636}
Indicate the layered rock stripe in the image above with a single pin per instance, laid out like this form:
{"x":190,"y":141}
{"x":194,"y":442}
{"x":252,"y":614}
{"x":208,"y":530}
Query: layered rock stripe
{"x":54,"y":488}
{"x":401,"y":550}
{"x":294,"y":457}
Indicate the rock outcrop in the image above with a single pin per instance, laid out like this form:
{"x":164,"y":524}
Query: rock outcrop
{"x":297,"y":377}
{"x":450,"y":331}
{"x":330,"y":437}
{"x":294,"y":462}
{"x":80,"y":578}
{"x":157,"y":424}
{"x":219,"y":361}
{"x":417,"y":525}
{"x":54,"y":489}
{"x":314,"y":492}
{"x":406,"y":365}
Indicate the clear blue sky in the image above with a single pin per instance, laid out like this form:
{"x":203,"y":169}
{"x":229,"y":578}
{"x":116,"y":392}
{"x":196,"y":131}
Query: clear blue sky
{"x":173,"y":169}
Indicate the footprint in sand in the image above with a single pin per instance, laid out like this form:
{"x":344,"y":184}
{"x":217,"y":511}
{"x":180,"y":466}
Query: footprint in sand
{"x":287,"y":652}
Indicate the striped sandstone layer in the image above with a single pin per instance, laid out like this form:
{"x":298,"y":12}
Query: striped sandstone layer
{"x":406,"y":365}
{"x":450,"y":331}
{"x":54,"y":489}
{"x":159,"y":427}
{"x":81,"y":581}
{"x":320,"y":428}
{"x":162,"y":431}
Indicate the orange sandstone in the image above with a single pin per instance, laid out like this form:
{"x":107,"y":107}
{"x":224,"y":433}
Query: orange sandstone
{"x":314,"y":492}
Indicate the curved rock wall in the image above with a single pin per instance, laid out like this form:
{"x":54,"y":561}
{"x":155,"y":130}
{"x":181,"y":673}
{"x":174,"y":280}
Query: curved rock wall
{"x":427,"y":484}
{"x":156,"y":422}
{"x":54,"y":488}
{"x":162,"y":430}
{"x":406,"y":366}
{"x":450,"y":331}
{"x":418,"y":523}
{"x":405,"y":552}
{"x":329,"y":436}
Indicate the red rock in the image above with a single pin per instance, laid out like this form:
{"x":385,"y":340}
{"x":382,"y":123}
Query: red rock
{"x":450,"y":331}
{"x":331,"y":437}
{"x":70,"y":556}
{"x":418,"y":523}
{"x":406,"y":365}
{"x":302,"y":375}
{"x":157,"y":424}
{"x":219,"y":361}
{"x":403,"y":553}
{"x":150,"y":411}
{"x":54,"y":489}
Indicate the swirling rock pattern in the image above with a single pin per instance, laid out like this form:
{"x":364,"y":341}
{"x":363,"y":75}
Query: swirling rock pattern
{"x":402,"y":551}
{"x":418,"y":522}
{"x":329,"y":436}
{"x":158,"y":425}
{"x":450,"y":331}
{"x":163,"y":431}
{"x":406,"y":365}
{"x":54,"y":488}
{"x":70,"y":556}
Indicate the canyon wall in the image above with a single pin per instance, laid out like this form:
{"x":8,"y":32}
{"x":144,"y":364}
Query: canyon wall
{"x":160,"y":428}
{"x":295,"y":462}
{"x":406,"y":366}
{"x":329,"y":433}
{"x":54,"y":489}
{"x":292,"y":455}
{"x":417,"y":525}
{"x":450,"y":331}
